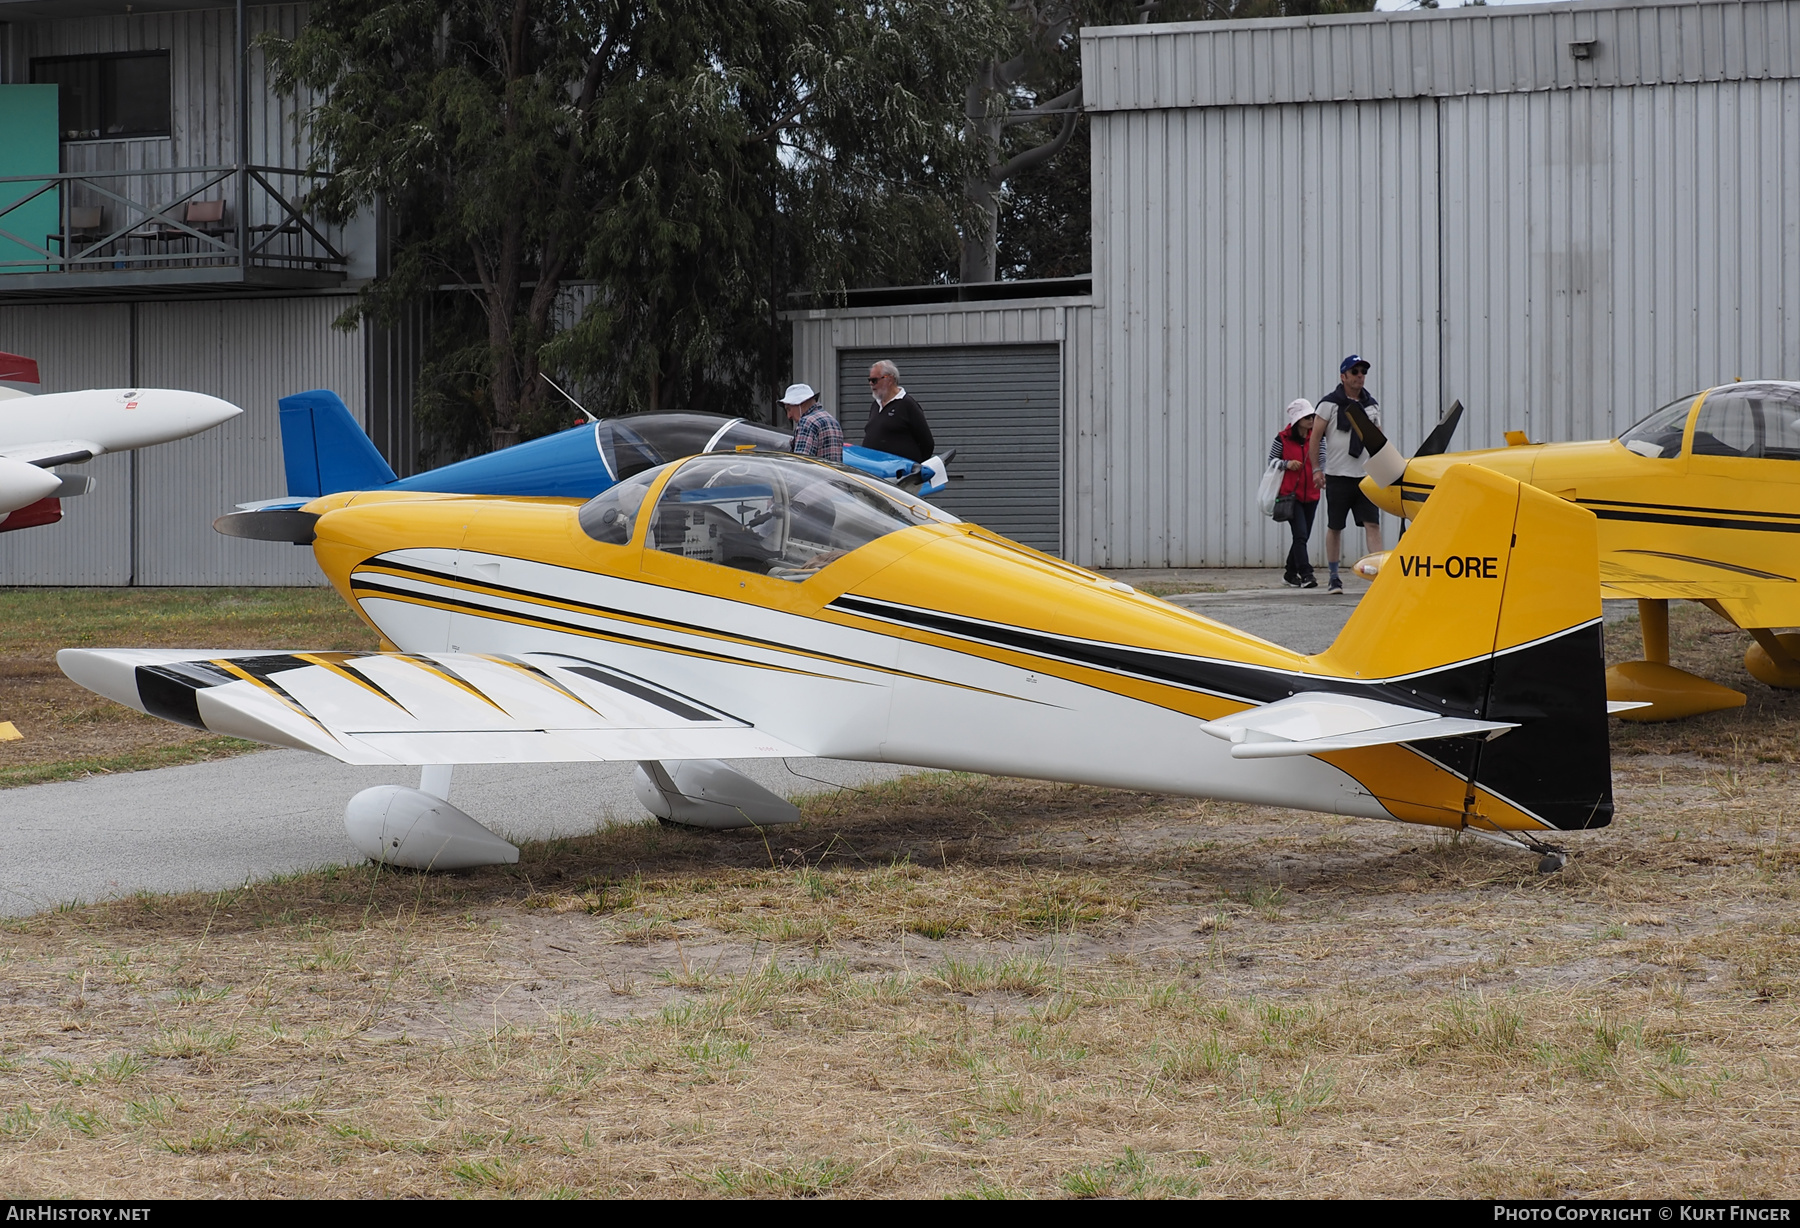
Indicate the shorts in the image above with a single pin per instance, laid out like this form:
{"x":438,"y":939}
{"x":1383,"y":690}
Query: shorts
{"x":1344,"y":497}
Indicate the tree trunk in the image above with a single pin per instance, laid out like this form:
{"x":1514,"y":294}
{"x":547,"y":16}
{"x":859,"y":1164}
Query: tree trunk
{"x":981,"y":230}
{"x":981,"y":235}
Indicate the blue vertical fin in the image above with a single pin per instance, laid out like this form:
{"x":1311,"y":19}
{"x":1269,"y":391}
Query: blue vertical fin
{"x":324,"y":449}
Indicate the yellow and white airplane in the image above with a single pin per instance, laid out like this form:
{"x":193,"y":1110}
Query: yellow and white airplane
{"x":1700,"y":501}
{"x":761,"y":604}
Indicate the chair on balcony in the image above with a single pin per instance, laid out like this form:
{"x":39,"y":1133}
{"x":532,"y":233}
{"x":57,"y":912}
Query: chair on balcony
{"x":205,"y":216}
{"x":86,"y":223}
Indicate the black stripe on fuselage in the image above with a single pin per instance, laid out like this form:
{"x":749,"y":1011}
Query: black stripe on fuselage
{"x":1454,"y":694}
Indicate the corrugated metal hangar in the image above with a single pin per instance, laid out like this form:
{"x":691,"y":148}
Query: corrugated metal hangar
{"x":1564,"y":215}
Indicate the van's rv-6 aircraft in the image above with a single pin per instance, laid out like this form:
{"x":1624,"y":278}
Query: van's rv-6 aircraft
{"x":1700,"y":501}
{"x":759,"y":604}
{"x":67,"y":428}
{"x":324,"y":452}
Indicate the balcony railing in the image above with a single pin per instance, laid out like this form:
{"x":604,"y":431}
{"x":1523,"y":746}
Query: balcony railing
{"x":168,"y":226}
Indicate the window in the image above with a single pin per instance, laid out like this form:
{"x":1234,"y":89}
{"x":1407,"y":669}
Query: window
{"x":104,"y":97}
{"x":779,"y":516}
{"x":1760,"y":421}
{"x":1659,"y":435}
{"x":611,"y":515}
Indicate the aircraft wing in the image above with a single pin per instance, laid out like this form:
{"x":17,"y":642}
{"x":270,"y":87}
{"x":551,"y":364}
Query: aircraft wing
{"x":412,"y":708}
{"x":1316,"y":721}
{"x":1751,"y":596}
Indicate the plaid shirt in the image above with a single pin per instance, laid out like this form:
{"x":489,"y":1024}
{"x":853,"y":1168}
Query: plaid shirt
{"x":819,"y":434}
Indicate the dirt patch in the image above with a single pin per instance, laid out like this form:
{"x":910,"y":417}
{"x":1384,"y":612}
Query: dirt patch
{"x":946,"y":986}
{"x":70,"y":732}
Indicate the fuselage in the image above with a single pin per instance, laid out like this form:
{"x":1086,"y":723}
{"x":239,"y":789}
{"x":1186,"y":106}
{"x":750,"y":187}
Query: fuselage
{"x":1707,"y":509}
{"x":939,"y":645}
{"x":109,"y":419}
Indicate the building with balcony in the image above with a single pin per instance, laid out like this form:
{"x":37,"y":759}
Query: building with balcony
{"x":154,"y":230}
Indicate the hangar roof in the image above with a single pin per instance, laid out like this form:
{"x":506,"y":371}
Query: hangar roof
{"x":1442,"y":53}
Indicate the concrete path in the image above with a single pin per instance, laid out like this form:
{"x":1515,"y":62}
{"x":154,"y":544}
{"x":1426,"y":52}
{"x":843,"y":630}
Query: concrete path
{"x":1306,"y":620}
{"x":213,"y":825}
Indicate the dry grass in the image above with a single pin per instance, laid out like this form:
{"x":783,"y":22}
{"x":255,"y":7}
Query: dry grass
{"x":69,"y":732}
{"x":951,"y":986}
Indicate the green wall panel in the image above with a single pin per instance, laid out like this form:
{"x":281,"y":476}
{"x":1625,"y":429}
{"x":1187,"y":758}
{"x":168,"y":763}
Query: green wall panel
{"x":28,"y":146}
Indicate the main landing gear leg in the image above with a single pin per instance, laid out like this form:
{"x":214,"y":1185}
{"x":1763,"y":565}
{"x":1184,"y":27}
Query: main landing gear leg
{"x":1670,"y":693}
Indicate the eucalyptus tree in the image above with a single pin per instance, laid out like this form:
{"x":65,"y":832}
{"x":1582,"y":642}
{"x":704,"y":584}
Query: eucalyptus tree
{"x":688,"y":162}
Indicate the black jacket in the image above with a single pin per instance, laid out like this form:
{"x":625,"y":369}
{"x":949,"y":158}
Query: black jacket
{"x":1337,"y":396}
{"x":899,"y":427}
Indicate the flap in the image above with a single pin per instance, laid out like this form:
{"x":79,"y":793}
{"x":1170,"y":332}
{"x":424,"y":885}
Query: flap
{"x":386,"y":708}
{"x":1316,"y":721}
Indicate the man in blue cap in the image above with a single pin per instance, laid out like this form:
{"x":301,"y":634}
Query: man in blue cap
{"x":1343,"y":473}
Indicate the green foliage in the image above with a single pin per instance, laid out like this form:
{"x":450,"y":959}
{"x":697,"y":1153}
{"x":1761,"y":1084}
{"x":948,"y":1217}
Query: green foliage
{"x":691,"y":162}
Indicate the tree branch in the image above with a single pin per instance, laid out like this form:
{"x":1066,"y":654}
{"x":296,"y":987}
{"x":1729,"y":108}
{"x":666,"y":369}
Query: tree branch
{"x":1018,"y":164}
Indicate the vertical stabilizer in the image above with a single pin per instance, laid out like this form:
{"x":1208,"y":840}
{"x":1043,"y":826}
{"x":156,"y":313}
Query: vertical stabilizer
{"x":324,"y":449}
{"x":1490,"y":608}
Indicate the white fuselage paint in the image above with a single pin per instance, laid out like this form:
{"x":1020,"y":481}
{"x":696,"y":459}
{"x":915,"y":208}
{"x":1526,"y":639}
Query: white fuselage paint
{"x":103,"y":420}
{"x":883,"y":699}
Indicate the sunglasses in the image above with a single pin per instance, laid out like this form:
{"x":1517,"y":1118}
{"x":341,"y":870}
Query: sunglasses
{"x":876,"y":379}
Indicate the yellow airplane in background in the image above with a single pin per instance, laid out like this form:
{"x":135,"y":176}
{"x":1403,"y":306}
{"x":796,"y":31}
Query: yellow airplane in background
{"x":766,"y":605}
{"x":1700,"y":502}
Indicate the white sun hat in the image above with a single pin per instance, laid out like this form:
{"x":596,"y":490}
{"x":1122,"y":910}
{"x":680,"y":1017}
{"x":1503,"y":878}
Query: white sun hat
{"x":798,"y":394}
{"x":1297,"y":409}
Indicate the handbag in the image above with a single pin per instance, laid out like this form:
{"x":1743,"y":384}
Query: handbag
{"x":1284,"y":509}
{"x":1268,"y":490}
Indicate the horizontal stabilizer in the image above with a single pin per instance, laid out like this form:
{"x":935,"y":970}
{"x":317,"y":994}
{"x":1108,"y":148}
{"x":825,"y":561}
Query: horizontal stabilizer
{"x":390,"y":707}
{"x":1316,"y":721}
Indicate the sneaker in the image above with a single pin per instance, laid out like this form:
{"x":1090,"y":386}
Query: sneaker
{"x":1309,"y":582}
{"x":1291,"y":582}
{"x":1336,"y":586}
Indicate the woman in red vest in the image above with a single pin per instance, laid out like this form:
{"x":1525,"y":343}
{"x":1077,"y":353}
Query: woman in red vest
{"x":1299,"y":481}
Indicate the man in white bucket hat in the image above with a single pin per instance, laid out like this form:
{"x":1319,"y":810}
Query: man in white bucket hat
{"x":816,"y":433}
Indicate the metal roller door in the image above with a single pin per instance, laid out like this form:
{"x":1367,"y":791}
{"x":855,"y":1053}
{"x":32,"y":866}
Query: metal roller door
{"x":1000,"y":407}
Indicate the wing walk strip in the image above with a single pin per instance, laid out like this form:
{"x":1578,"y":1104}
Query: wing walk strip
{"x":1688,"y":558}
{"x":471,"y":589}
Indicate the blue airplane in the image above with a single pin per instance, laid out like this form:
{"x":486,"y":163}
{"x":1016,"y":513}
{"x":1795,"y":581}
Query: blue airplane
{"x":325,"y":451}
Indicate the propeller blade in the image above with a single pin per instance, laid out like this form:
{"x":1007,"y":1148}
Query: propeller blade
{"x":1438,"y":442}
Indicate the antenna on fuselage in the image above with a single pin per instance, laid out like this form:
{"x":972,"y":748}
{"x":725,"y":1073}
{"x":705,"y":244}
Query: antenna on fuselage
{"x":571,"y":400}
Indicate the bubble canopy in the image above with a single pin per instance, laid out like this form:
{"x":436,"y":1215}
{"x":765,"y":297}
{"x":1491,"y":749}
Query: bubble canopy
{"x":768,"y":513}
{"x":637,"y":442}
